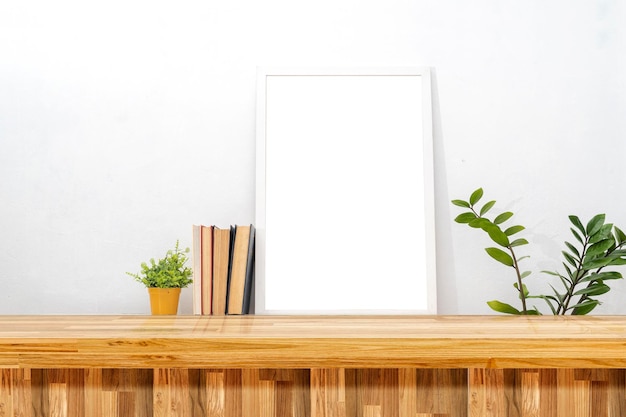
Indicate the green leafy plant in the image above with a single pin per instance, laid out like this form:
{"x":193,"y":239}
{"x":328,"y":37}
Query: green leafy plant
{"x":168,"y":272}
{"x":505,"y":253}
{"x":601,"y":246}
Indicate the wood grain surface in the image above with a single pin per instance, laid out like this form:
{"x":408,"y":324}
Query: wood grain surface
{"x":319,"y":392}
{"x":485,"y":342}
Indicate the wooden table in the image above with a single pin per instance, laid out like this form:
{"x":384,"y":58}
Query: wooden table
{"x":313,"y":366}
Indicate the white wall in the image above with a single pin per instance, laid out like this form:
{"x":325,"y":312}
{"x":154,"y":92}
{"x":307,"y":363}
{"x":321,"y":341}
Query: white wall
{"x":122,"y":123}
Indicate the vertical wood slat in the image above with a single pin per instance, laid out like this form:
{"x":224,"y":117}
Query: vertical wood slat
{"x":22,"y":399}
{"x":161,"y":394}
{"x":6,"y":392}
{"x":215,"y":394}
{"x":328,"y":392}
{"x":407,"y":392}
{"x":616,"y":380}
{"x":565,"y":397}
{"x":530,"y":398}
{"x":312,"y":393}
{"x":548,"y":396}
{"x":57,"y":397}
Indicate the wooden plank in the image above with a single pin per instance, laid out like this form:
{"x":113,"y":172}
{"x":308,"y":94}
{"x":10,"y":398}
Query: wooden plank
{"x":328,"y":393}
{"x":566,"y":393}
{"x":284,"y":399}
{"x":548,"y":397}
{"x":407,"y":395}
{"x":249,"y":392}
{"x":22,"y":392}
{"x":451,"y":387}
{"x":75,"y":392}
{"x":161,"y":399}
{"x":215,"y":394}
{"x":57,"y":397}
{"x":180,"y":404}
{"x":93,"y":392}
{"x":616,"y":392}
{"x":434,"y":342}
{"x":477,"y":393}
{"x":530,"y":394}
{"x":233,"y":395}
{"x":6,"y":392}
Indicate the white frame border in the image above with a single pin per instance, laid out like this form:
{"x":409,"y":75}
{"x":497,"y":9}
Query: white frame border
{"x":428,"y":170}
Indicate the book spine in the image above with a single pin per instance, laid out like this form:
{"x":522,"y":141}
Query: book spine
{"x":197,"y":269}
{"x":249,"y":284}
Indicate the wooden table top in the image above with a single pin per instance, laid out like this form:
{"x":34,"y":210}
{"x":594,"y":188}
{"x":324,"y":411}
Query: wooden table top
{"x":312,"y":342}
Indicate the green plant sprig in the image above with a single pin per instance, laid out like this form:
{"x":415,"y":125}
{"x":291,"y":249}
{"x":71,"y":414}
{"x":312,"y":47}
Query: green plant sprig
{"x":601,"y":246}
{"x":475,"y":218}
{"x":168,"y":272}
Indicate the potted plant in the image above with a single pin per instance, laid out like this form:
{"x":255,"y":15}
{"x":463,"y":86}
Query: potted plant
{"x":164,"y":279}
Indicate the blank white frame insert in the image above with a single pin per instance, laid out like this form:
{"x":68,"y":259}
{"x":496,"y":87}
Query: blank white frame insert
{"x":345,"y":194}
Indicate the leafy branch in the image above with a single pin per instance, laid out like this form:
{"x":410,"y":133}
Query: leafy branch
{"x":602,"y":245}
{"x":475,"y":218}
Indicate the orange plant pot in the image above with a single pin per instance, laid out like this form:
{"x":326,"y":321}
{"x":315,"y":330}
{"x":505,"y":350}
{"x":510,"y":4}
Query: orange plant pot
{"x":164,"y":300}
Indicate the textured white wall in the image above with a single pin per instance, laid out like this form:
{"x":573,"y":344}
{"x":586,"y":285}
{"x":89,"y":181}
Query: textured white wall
{"x":122,"y":123}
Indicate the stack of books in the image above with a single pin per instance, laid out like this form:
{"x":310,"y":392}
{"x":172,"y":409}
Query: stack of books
{"x":223,"y":269}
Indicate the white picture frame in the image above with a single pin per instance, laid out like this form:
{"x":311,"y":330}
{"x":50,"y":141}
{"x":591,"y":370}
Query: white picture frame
{"x":344,"y":191}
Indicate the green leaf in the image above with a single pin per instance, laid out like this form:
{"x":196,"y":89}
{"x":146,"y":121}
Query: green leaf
{"x":569,"y":271}
{"x":573,"y":249}
{"x":500,"y":256}
{"x":497,"y":235}
{"x":461,"y":203}
{"x":602,"y":276}
{"x":476,"y":196}
{"x":577,"y":236}
{"x":533,"y":312}
{"x":619,"y":235}
{"x":525,"y":274}
{"x":594,"y":289}
{"x":548,"y":299}
{"x":487,"y":207}
{"x":565,"y":281}
{"x":605,"y":232}
{"x":479,"y":223}
{"x":525,"y":290}
{"x":584,"y":307}
{"x":501,"y":307}
{"x":513,"y":229}
{"x":465,"y":217}
{"x":518,"y":242}
{"x":599,"y":247}
{"x":569,"y":258}
{"x":618,"y":261}
{"x":595,"y":224}
{"x":576,"y":222}
{"x":596,"y":263}
{"x":503,"y":217}
{"x":559,"y":297}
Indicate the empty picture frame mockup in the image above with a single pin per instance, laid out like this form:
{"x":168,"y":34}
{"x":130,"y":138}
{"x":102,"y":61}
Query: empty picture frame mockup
{"x":345,"y":198}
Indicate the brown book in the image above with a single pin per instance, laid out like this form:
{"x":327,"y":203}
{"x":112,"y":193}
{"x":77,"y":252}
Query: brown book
{"x":207,"y":268}
{"x":249,"y":286}
{"x":221,"y":254}
{"x":238,"y":270}
{"x":197,"y":269}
